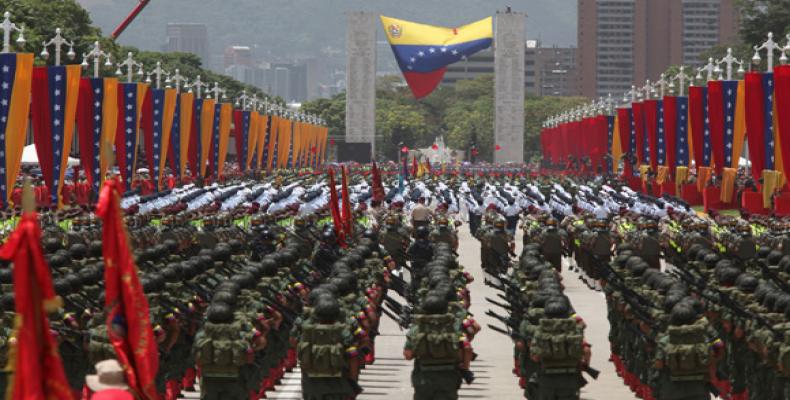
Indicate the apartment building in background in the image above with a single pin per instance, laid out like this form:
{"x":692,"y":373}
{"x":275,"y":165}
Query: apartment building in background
{"x":625,"y":42}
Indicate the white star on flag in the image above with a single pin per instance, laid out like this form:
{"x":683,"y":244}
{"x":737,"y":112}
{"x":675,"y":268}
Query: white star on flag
{"x":455,"y":52}
{"x":57,"y":138}
{"x":5,"y":68}
{"x":432,"y":50}
{"x":57,"y":92}
{"x":130,"y":95}
{"x":129,"y":130}
{"x":56,"y":122}
{"x":128,"y":119}
{"x":58,"y":78}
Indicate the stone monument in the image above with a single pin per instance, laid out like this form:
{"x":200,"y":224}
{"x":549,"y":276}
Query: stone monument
{"x":361,"y":78}
{"x":509,"y":48}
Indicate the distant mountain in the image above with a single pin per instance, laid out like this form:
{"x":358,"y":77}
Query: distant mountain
{"x":293,"y":28}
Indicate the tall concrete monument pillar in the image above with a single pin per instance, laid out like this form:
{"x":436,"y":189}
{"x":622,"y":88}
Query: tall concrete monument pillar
{"x":361,"y":80}
{"x":509,"y":48}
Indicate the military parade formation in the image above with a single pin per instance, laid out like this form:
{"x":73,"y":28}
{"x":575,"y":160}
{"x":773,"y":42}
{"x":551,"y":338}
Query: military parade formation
{"x":248,"y":280}
{"x":172,"y":263}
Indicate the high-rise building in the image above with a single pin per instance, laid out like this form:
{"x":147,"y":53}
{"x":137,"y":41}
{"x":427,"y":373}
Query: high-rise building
{"x":548,"y":71}
{"x":238,"y":55}
{"x":188,"y":38}
{"x":625,"y":42}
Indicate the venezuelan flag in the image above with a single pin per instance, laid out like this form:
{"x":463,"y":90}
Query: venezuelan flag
{"x":423,"y":51}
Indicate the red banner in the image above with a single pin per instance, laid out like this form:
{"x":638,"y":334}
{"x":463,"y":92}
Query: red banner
{"x":128,"y":318}
{"x":38,"y":369}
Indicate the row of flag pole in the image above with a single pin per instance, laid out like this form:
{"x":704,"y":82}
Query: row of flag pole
{"x":185,"y":131}
{"x":706,"y":129}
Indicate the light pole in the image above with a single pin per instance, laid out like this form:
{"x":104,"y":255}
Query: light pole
{"x":57,"y":42}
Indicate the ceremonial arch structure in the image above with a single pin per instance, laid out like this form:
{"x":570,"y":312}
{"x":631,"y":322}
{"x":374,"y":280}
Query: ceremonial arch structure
{"x":509,"y":49}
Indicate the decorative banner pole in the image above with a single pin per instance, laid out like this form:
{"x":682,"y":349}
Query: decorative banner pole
{"x":242,"y":100}
{"x":198,"y":85}
{"x":130,"y":64}
{"x":58,"y":41}
{"x":729,"y":60}
{"x":96,"y":54}
{"x":158,"y":72}
{"x":769,"y":46}
{"x":178,"y":79}
{"x":709,"y":69}
{"x":218,"y":93}
{"x":8,"y":28}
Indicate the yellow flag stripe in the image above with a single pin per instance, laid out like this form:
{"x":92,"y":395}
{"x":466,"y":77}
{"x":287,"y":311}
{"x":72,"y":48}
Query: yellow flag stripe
{"x":400,"y":32}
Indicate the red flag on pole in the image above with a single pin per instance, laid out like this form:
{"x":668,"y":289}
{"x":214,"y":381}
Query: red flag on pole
{"x":38,"y":369}
{"x":128,"y":321}
{"x":335,"y":209}
{"x":378,"y":187}
{"x":348,"y":217}
{"x":414,"y":166}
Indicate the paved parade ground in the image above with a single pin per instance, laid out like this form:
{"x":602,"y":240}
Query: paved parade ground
{"x":388,"y":378}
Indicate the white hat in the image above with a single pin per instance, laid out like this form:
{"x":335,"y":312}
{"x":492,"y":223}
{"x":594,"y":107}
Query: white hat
{"x":109,"y":375}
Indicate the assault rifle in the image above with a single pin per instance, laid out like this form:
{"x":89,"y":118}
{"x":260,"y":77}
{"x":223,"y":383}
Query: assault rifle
{"x":592,"y":372}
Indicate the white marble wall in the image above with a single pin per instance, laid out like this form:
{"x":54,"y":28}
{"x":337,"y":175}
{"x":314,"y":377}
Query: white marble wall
{"x":509,"y":47}
{"x":361,"y":76}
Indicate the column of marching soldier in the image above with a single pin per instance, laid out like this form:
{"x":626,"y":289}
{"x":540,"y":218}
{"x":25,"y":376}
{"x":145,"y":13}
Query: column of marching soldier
{"x":237,"y":298}
{"x":247,"y":279}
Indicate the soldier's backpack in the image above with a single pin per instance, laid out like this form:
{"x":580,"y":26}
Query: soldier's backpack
{"x":551,"y":243}
{"x":559,"y":343}
{"x":99,"y":345}
{"x":435,"y":340}
{"x":688,"y":352}
{"x":320,"y":350}
{"x":220,"y":349}
{"x":784,"y":354}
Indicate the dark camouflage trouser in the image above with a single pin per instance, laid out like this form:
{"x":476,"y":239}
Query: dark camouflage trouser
{"x":220,"y":388}
{"x":436,"y":385}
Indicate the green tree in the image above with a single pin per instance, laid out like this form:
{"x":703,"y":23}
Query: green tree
{"x":332,"y":111}
{"x":40,"y":18}
{"x":758,"y":17}
{"x":536,"y":111}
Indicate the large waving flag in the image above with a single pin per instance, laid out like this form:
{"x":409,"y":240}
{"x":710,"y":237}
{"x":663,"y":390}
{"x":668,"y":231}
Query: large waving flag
{"x":128,"y":321}
{"x":54,"y":111}
{"x":16,"y":71}
{"x":423,"y":51}
{"x":38,"y":368}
